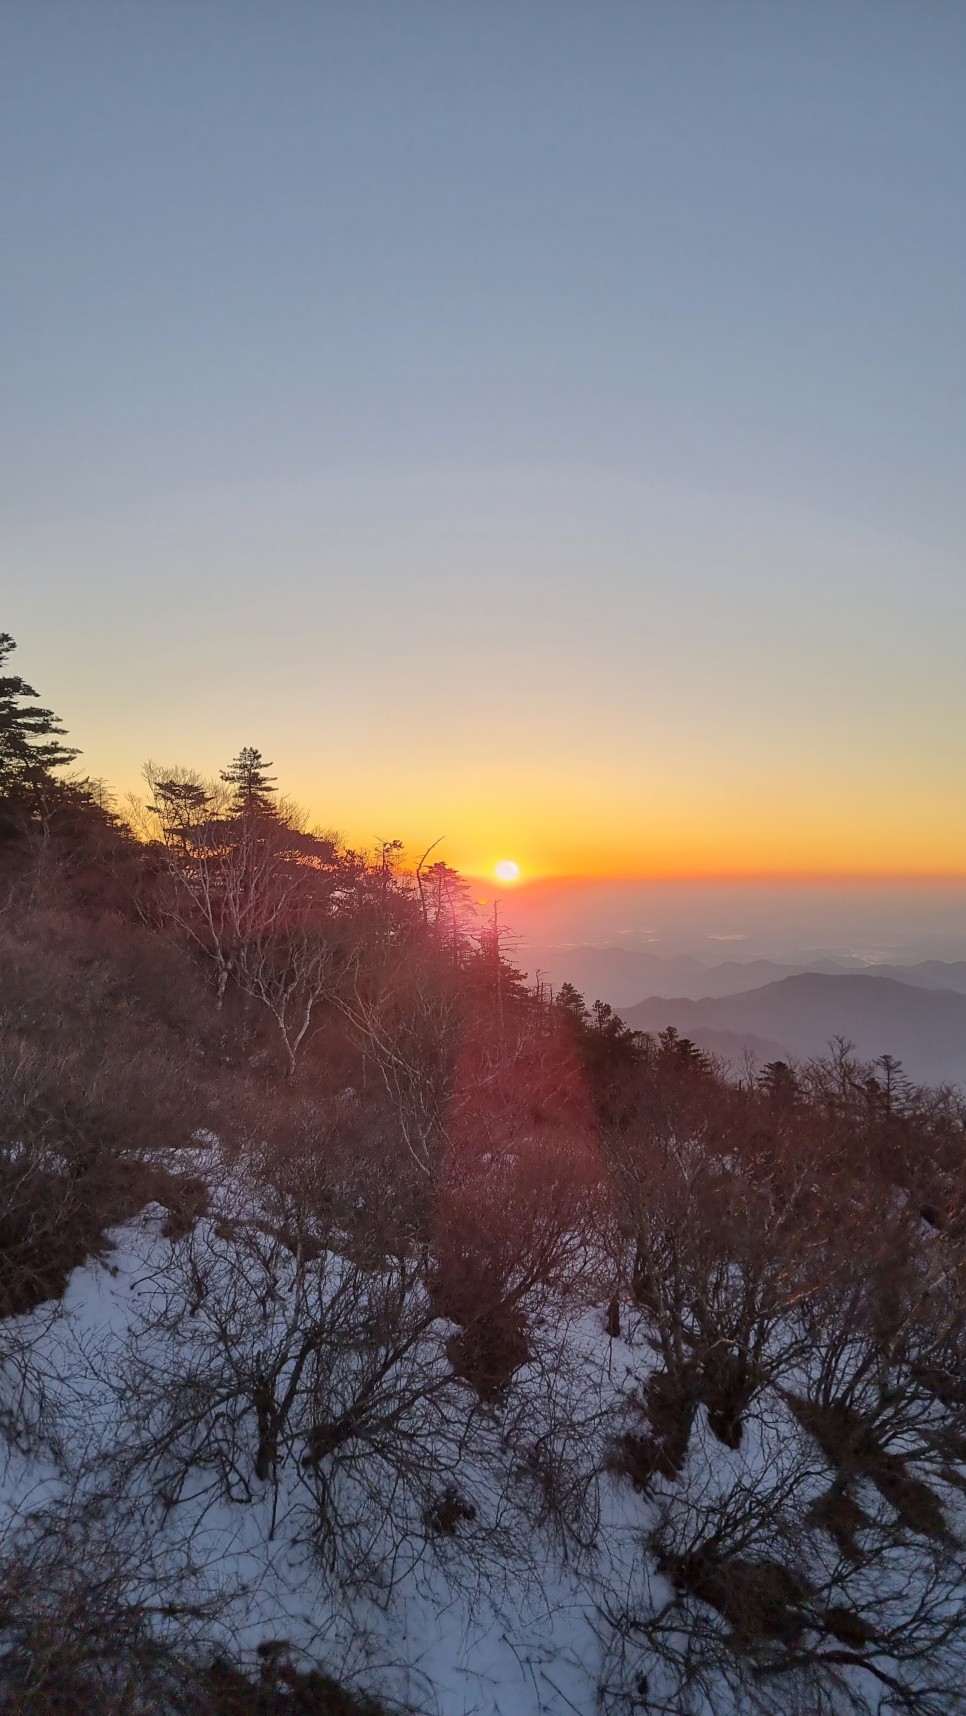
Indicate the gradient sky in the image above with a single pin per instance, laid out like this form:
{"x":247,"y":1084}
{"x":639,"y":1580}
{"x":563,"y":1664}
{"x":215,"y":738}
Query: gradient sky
{"x":540,"y":424}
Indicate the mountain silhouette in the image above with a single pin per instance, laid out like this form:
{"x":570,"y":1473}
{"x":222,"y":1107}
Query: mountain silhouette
{"x":622,"y":975}
{"x":924,"y":1028}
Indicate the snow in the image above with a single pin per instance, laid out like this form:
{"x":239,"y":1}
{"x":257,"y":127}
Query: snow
{"x":505,"y":1619}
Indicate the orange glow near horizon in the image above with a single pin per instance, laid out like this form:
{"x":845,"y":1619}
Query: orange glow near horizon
{"x":590,"y":836}
{"x":673,"y":819}
{"x":737,"y":877}
{"x":695,"y":846}
{"x":567,"y":815}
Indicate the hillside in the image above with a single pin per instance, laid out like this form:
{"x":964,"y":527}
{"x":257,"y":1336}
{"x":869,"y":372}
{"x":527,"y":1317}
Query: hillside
{"x":548,"y":1551}
{"x":381,"y":1337}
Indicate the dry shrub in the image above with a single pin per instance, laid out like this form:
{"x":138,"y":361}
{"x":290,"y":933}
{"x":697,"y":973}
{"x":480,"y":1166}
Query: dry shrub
{"x":444,"y":1516}
{"x":849,"y":1628}
{"x":90,"y":1062}
{"x":853,"y":1448}
{"x":280,"y":1690}
{"x":916,"y":1504}
{"x":758,"y":1599}
{"x":94,"y":1623}
{"x":96,"y":1074}
{"x":641,"y":1459}
{"x":52,"y":1219}
{"x":184,"y":1196}
{"x":728,"y":1384}
{"x":489,"y":1349}
{"x":509,"y":1229}
{"x":670,"y":1403}
{"x":838,"y":1513}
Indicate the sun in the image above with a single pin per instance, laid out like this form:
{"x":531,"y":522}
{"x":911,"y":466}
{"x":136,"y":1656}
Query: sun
{"x":506,"y":870}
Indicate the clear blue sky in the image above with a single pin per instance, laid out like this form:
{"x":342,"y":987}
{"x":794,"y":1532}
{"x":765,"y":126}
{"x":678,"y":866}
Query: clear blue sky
{"x":520,"y":419}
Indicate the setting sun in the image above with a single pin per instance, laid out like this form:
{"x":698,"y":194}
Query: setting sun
{"x":529,"y":424}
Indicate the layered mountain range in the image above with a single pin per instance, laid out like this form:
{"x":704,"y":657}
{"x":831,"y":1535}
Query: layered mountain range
{"x":771,"y":1011}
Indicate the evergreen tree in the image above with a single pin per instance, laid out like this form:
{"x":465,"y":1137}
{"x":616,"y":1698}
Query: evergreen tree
{"x":680,"y":1053}
{"x":252,"y":787}
{"x":780,"y":1083}
{"x":570,"y":1002}
{"x":181,"y":803}
{"x":446,"y":904}
{"x":29,"y":738}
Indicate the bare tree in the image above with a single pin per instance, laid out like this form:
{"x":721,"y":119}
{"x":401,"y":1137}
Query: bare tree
{"x":254,"y":890}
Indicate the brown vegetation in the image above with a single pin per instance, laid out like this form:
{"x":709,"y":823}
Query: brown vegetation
{"x":782,"y":1255}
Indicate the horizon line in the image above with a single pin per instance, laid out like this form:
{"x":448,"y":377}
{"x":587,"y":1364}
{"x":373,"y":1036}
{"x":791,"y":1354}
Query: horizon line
{"x":801,"y":877}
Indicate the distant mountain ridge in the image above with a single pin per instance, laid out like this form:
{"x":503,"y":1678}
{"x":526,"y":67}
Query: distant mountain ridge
{"x":623,"y":976}
{"x":924,"y":1027}
{"x":927,"y":974}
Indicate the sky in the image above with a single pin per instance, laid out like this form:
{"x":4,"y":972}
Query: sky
{"x":535,"y":424}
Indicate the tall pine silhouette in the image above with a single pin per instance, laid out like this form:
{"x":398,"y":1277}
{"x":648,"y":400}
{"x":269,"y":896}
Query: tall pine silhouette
{"x":252,"y":787}
{"x":30,"y":736}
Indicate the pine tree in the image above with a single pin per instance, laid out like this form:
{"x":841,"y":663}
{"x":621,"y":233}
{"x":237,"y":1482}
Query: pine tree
{"x":780,"y":1083}
{"x":570,"y":1003}
{"x":29,"y":737}
{"x":252,"y":787}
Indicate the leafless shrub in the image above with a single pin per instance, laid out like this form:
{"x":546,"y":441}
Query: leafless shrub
{"x":723,"y":1251}
{"x":405,"y":1014}
{"x":94,"y":1622}
{"x":777,"y":1589}
{"x":268,"y":1359}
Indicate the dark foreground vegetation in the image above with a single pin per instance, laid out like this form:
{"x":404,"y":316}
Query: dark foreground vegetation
{"x":778,"y":1257}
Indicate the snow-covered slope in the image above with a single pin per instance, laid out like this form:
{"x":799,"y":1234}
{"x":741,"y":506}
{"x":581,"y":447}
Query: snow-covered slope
{"x":451,"y":1555}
